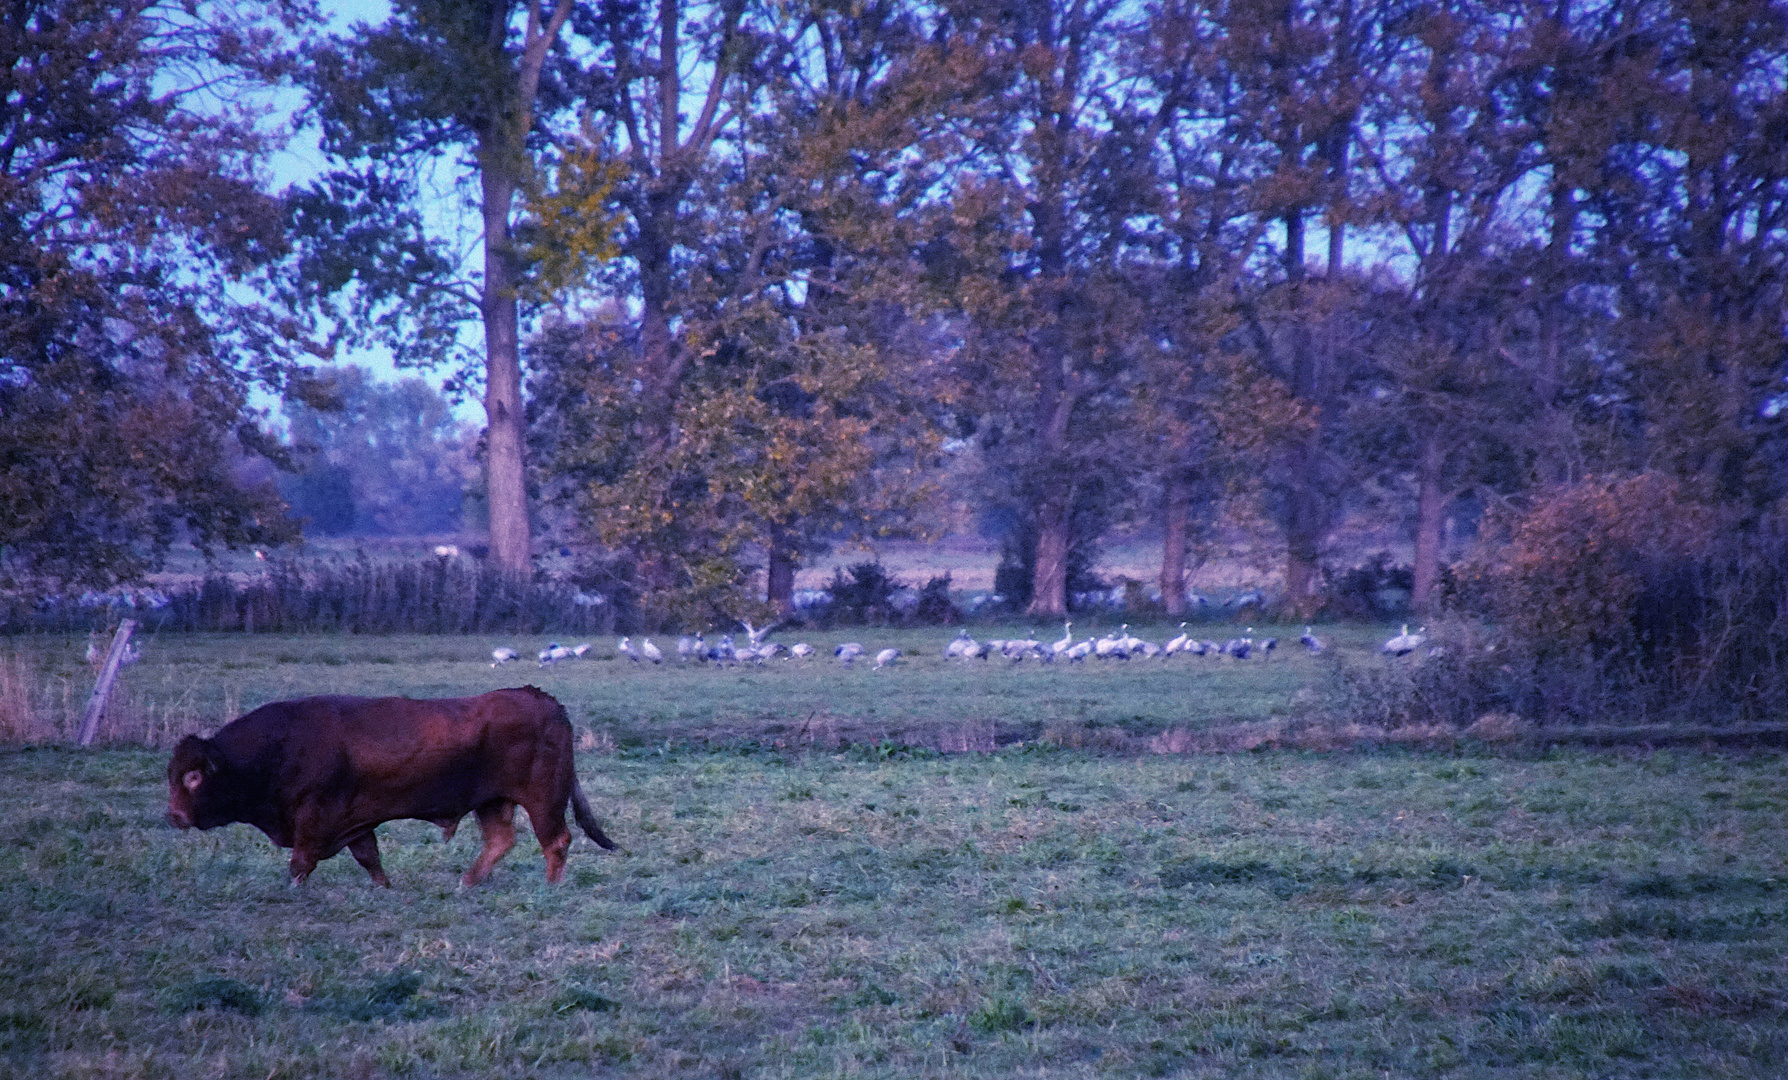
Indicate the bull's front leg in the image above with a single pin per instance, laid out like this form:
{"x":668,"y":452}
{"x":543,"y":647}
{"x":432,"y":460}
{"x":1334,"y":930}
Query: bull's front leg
{"x":366,"y":852}
{"x":309,"y":843}
{"x":304,"y":860}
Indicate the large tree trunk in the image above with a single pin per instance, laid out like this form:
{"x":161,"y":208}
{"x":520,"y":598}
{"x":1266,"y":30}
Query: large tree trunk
{"x":1176,"y":509}
{"x":1553,"y":424}
{"x":1055,"y":507}
{"x":1049,"y":583}
{"x":1306,"y":525}
{"x":779,"y":577}
{"x":1304,"y":539}
{"x":505,"y":440}
{"x":502,"y":150}
{"x":1307,"y":517}
{"x":660,"y":362}
{"x":1430,"y":509}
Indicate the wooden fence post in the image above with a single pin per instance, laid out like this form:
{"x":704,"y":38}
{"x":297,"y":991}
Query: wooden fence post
{"x":96,"y":706}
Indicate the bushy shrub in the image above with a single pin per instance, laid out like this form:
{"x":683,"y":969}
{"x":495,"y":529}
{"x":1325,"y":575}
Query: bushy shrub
{"x":1455,"y":677}
{"x":935,"y":607}
{"x":1376,"y":589}
{"x":1604,"y":565}
{"x":1613,"y":600}
{"x":866,"y":596}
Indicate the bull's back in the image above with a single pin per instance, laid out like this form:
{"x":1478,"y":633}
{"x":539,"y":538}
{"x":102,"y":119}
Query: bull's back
{"x":386,"y":758}
{"x":455,"y":753}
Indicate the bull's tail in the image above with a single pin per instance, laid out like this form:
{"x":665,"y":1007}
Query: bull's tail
{"x":586,"y":819}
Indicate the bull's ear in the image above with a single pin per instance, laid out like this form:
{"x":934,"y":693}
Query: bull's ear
{"x":192,"y":779}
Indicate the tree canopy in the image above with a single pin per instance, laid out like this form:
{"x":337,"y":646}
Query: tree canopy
{"x":1277,"y":261}
{"x":136,"y":244}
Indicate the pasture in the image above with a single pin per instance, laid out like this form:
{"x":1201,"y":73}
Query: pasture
{"x":188,"y":682}
{"x":788,"y":909}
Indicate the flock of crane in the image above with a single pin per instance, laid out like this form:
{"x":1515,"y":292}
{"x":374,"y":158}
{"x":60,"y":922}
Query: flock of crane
{"x":1119,"y":644}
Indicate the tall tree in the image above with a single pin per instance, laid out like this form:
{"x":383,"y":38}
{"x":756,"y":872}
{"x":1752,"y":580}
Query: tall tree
{"x":1690,"y":143}
{"x":1453,"y":156}
{"x":437,"y":80}
{"x":1036,"y":253}
{"x":1207,"y":236}
{"x":771,"y":416}
{"x":134,"y":235}
{"x":1303,"y":73}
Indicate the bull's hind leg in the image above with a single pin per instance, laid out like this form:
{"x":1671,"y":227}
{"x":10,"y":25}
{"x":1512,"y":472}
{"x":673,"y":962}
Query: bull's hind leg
{"x":366,"y":852}
{"x":497,"y":821}
{"x":554,"y":836}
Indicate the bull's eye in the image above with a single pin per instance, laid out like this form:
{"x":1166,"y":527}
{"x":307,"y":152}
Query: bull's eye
{"x":192,"y":780}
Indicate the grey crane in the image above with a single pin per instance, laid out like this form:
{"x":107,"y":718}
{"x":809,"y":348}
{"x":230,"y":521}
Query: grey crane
{"x":1404,"y":642}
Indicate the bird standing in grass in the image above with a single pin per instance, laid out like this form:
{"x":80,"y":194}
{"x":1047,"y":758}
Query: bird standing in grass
{"x":651,"y":652}
{"x":1312,"y":642}
{"x":801,"y":650}
{"x":849,"y":651}
{"x":625,"y":648}
{"x":886,"y":657}
{"x":501,"y":656}
{"x":1404,"y":642}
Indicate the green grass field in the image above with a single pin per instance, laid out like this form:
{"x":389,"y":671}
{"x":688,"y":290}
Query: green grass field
{"x":882,"y":910}
{"x":190,"y":682}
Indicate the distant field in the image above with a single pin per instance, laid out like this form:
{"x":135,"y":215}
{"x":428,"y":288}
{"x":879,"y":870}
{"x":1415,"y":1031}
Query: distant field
{"x":1022,"y":913}
{"x":188,"y":682}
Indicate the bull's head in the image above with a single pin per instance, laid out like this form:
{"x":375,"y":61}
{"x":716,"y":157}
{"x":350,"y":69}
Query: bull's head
{"x":194,"y":766}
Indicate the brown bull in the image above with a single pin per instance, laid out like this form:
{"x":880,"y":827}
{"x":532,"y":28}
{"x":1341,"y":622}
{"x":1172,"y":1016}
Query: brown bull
{"x":319,"y":774}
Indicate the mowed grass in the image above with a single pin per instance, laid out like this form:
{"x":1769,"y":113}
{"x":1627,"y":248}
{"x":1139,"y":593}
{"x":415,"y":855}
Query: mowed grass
{"x":188,"y":682}
{"x":869,"y":913}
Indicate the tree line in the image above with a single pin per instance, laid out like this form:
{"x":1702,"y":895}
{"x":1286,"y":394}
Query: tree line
{"x":770,"y":268}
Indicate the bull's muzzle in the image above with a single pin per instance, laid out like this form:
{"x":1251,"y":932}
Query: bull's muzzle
{"x":179,"y":819}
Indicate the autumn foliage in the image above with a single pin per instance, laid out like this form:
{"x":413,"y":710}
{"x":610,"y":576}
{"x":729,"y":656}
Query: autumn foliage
{"x":1632,"y":595}
{"x":1580,"y":560}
